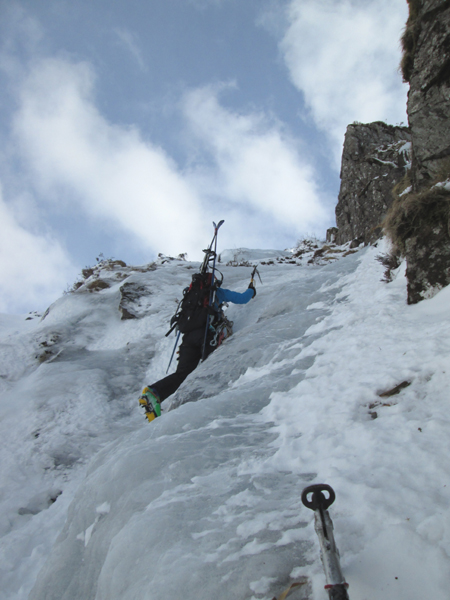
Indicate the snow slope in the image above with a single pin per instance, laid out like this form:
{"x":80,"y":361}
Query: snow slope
{"x":97,"y":503}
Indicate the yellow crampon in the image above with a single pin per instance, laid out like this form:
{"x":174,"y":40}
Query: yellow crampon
{"x":150,"y":403}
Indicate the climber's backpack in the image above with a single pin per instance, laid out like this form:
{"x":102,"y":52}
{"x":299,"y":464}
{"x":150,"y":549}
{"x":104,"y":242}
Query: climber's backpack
{"x":194,"y":308}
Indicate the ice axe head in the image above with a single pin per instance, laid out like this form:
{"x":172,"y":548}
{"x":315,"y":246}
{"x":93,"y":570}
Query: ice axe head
{"x":255,"y":271}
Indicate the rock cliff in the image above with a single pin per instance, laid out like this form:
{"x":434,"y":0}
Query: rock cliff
{"x":379,"y":189}
{"x":374,"y":160}
{"x":418,"y":222}
{"x":426,"y":66}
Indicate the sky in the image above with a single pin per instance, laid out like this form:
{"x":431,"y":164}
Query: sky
{"x":128,"y":127}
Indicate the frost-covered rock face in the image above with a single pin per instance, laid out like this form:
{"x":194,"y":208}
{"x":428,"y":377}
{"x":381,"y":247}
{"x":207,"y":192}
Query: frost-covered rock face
{"x":374,"y":159}
{"x":428,"y":250}
{"x":428,"y":267}
{"x":429,"y":95}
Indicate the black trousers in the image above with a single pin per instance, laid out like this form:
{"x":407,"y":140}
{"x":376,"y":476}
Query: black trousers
{"x":190,"y":354}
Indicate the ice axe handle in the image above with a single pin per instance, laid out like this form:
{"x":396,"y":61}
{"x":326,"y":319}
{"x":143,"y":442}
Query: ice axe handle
{"x":255,"y":271}
{"x":313,"y":497}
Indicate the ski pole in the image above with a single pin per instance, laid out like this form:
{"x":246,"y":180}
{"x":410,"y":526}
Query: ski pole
{"x":171,"y":329}
{"x":329,"y":554}
{"x":173,"y":351}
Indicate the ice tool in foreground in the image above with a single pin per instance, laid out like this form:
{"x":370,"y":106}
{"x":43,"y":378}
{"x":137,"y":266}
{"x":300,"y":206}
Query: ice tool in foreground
{"x":314,"y":498}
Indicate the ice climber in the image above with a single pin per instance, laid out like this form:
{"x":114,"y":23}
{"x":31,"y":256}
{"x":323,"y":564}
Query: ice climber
{"x":203,"y":328}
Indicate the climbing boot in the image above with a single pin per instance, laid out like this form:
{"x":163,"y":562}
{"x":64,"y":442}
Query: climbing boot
{"x":150,"y":402}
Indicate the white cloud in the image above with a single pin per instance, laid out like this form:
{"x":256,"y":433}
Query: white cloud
{"x":130,"y":42}
{"x":20,"y":34}
{"x":32,"y":267}
{"x":109,"y":171}
{"x":343,"y":55}
{"x":112,"y":174}
{"x":256,"y":165}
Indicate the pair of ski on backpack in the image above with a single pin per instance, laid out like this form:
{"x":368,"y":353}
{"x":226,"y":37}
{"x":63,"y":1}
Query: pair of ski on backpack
{"x":198,"y":308}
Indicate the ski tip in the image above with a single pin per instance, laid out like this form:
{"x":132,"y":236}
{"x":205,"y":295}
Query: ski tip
{"x":219,"y":224}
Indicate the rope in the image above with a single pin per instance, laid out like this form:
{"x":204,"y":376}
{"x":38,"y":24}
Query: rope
{"x":290,"y":588}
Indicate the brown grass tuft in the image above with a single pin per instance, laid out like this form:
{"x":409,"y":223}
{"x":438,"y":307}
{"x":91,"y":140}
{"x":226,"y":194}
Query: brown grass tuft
{"x":416,"y":213}
{"x":97,"y":285}
{"x":409,"y":39}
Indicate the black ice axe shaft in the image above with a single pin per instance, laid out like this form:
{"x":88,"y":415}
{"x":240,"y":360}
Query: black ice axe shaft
{"x":255,"y":271}
{"x":314,"y":498}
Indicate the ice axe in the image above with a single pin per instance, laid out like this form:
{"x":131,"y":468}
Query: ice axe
{"x":314,"y":498}
{"x":255,"y":272}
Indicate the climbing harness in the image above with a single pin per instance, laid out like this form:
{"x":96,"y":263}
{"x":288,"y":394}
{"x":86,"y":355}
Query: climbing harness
{"x":223,"y":330}
{"x":314,"y":498}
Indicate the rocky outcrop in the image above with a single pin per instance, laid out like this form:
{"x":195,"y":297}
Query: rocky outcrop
{"x":134,"y":300}
{"x":332,"y":235}
{"x":378,"y":187}
{"x":428,"y":265}
{"x":419,"y":223}
{"x":374,"y":160}
{"x":426,"y":65}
